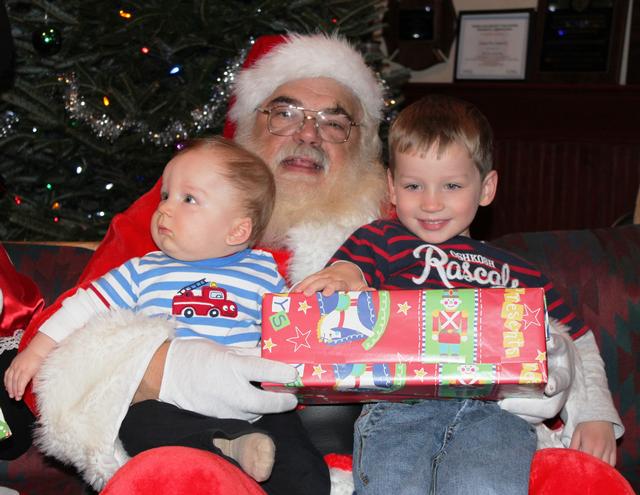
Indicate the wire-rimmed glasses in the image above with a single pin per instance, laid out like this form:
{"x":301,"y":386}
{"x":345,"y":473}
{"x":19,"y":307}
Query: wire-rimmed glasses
{"x":286,"y":120}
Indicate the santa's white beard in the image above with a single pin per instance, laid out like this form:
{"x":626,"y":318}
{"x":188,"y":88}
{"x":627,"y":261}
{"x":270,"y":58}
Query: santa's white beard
{"x":355,"y":188}
{"x":313,"y":216}
{"x":314,"y":221}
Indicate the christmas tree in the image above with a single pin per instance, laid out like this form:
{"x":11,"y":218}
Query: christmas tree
{"x":103,"y":92}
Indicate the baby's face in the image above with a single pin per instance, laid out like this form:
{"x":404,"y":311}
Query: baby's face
{"x":437,"y":197}
{"x":199,"y":207}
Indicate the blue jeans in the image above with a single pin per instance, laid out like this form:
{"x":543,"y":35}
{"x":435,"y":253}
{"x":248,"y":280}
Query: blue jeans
{"x":443,"y":447}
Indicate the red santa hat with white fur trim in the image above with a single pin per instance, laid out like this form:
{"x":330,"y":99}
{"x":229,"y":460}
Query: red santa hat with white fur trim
{"x":281,"y":59}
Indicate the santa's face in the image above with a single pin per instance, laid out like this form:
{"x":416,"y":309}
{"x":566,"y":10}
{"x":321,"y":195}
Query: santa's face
{"x":303,"y":162}
{"x":316,"y":181}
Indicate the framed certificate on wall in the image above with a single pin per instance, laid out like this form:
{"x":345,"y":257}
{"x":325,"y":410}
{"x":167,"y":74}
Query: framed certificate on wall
{"x":493,"y":45}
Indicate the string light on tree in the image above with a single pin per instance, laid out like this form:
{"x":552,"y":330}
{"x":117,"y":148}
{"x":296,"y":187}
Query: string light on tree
{"x":47,"y":40}
{"x":202,"y":118}
{"x":8,"y":123}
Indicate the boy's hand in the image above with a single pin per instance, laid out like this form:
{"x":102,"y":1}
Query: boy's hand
{"x":20,"y":372}
{"x":341,"y":276}
{"x":596,"y":438}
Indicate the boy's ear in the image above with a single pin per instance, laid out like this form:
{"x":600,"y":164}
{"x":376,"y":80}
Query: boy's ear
{"x":240,"y":231}
{"x":489,"y":188}
{"x":392,"y":191}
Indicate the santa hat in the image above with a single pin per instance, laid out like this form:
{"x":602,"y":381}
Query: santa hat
{"x":275,"y":60}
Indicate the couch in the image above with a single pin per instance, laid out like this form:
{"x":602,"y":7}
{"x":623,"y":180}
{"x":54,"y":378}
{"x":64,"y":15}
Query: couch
{"x":597,"y":271}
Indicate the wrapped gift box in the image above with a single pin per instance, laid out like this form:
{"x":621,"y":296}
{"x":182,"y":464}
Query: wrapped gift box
{"x":409,"y":344}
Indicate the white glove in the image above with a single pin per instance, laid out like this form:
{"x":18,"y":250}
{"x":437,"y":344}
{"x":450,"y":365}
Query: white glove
{"x":560,"y":363}
{"x":214,"y":380}
{"x":560,"y":367}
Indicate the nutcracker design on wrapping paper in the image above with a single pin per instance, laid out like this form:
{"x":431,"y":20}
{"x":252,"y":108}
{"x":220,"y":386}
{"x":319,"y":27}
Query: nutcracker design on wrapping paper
{"x":466,"y":380}
{"x":449,"y":326}
{"x":409,"y":344}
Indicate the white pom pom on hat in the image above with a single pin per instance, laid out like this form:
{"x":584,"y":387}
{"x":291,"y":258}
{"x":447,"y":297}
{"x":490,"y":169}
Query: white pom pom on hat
{"x":296,"y":56}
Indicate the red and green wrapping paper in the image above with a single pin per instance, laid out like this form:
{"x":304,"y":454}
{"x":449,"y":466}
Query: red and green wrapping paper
{"x":409,"y":344}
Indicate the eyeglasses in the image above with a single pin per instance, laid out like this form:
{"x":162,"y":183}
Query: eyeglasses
{"x":286,"y":120}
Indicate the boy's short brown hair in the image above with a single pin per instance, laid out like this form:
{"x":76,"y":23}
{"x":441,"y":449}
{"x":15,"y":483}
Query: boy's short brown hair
{"x":249,"y":174}
{"x":438,"y":120}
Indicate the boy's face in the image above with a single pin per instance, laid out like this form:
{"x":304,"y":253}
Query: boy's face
{"x":436,"y":198}
{"x":200,"y":214}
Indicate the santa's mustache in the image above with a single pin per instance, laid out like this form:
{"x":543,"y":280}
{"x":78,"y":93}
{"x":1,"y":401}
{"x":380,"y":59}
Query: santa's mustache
{"x":291,"y":151}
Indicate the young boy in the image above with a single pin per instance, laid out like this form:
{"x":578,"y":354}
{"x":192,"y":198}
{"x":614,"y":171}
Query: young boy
{"x":215,"y":202}
{"x":440,"y":172}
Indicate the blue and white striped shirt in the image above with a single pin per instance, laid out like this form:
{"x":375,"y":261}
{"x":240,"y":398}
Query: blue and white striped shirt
{"x":191,"y":291}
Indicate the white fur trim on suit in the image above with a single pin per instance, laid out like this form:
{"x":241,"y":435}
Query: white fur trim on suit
{"x":85,"y":386}
{"x":341,"y":481}
{"x":301,"y":57}
{"x":312,"y":245}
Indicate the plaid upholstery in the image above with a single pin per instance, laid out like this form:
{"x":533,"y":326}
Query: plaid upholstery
{"x":54,"y":269}
{"x":597,"y":272}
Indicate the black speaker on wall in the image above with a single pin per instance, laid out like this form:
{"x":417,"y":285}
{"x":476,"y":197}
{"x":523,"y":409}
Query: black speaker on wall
{"x":420,"y":32}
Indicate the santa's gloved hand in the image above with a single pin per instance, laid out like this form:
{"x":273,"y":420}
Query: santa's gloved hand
{"x":214,"y":380}
{"x":560,"y":363}
{"x":560,"y":368}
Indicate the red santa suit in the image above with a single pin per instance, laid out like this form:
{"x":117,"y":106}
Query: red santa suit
{"x":96,"y":378}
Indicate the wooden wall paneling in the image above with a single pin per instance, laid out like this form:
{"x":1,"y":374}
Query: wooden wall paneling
{"x":633,"y":60}
{"x":568,"y":156}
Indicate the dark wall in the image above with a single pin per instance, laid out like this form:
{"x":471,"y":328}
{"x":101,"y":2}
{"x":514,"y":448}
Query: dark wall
{"x":568,"y":156}
{"x":7,"y":52}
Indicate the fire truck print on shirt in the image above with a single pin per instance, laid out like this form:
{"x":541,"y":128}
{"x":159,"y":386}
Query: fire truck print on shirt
{"x":203,"y":298}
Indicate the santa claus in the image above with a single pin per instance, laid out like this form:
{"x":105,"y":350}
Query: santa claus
{"x":310,"y":107}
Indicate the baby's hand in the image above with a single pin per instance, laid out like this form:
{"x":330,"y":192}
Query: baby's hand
{"x":596,"y":438}
{"x":342,"y":275}
{"x":20,"y":372}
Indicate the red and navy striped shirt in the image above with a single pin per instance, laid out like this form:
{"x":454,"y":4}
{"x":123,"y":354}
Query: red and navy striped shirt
{"x":392,"y":257}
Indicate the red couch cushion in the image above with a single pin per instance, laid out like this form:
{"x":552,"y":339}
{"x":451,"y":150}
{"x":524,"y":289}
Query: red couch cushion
{"x":179,"y":470}
{"x":569,"y":472}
